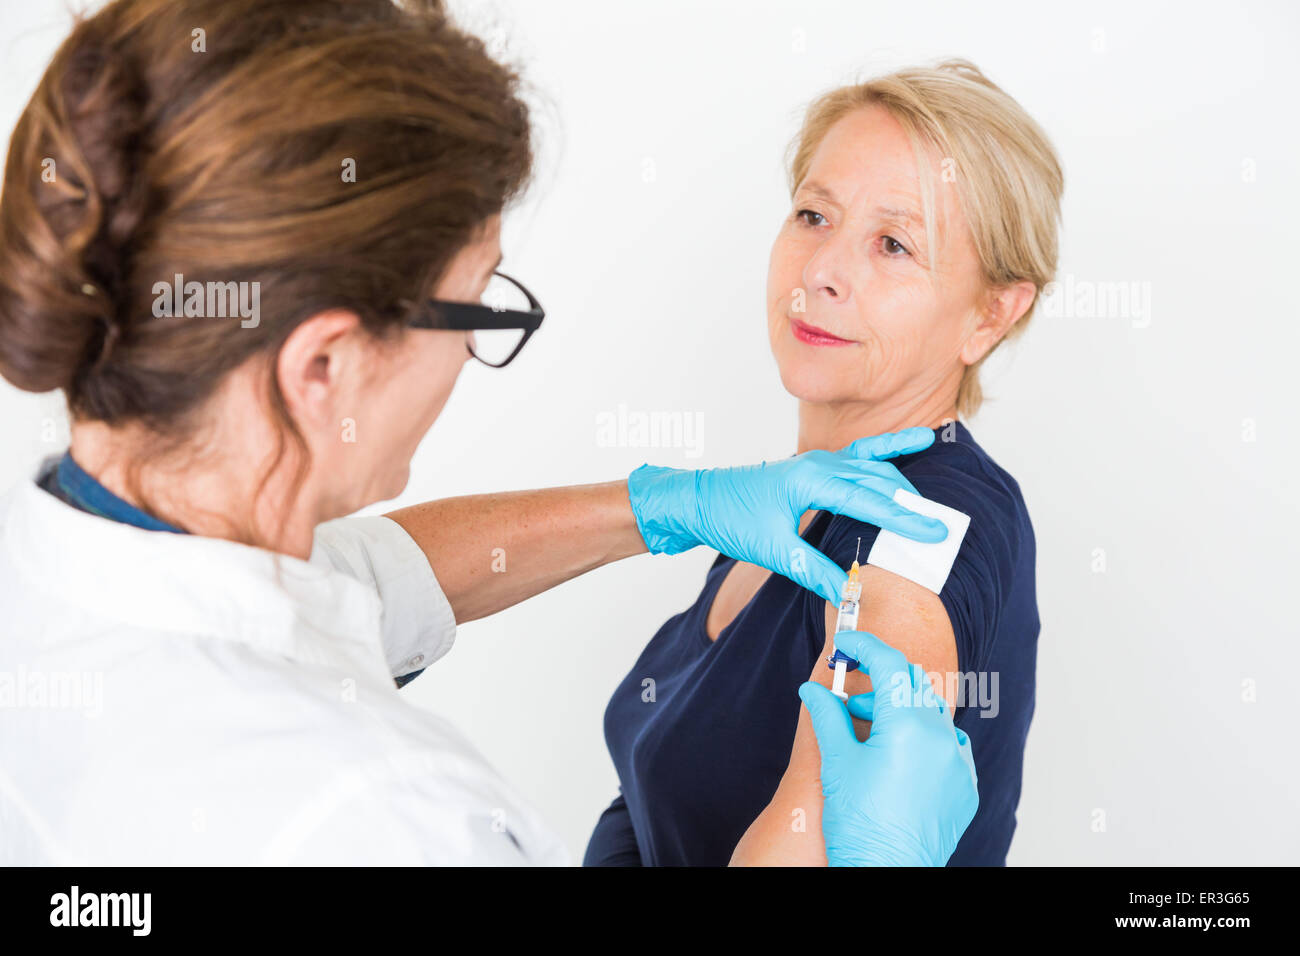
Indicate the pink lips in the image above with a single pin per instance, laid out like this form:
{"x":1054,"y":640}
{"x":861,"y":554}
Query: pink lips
{"x":813,"y":335}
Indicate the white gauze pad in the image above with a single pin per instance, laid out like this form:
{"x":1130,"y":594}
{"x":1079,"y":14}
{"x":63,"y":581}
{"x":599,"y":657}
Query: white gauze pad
{"x":926,"y":564}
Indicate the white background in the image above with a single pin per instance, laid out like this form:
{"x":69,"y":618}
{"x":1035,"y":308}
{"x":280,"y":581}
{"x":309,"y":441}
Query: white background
{"x":1176,"y":124}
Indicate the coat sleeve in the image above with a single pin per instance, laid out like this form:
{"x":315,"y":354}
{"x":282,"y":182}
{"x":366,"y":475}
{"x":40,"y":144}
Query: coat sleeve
{"x":418,"y":624}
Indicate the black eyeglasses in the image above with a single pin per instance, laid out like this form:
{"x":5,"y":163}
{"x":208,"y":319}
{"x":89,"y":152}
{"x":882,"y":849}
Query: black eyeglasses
{"x":501,"y":324}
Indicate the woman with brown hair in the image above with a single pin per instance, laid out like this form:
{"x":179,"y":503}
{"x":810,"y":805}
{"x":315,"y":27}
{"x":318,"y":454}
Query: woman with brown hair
{"x":250,"y":243}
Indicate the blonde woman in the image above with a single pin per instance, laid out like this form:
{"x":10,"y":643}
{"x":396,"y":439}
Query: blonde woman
{"x":923,"y":227}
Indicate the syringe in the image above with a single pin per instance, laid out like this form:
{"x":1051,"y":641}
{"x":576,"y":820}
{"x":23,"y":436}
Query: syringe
{"x":840,"y":662}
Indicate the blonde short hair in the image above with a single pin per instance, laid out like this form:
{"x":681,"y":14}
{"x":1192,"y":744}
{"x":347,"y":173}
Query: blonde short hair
{"x":1008,"y":176}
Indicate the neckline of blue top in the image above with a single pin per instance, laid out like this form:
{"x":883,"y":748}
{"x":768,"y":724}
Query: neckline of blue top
{"x":77,"y":487}
{"x":718,"y":572}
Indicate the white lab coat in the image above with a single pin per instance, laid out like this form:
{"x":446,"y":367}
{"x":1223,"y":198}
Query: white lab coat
{"x":174,"y":699}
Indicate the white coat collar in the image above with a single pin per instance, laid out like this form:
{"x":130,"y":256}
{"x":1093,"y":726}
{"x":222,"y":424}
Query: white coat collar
{"x":160,"y":581}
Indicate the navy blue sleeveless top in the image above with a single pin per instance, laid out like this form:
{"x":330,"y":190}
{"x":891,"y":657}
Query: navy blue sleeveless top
{"x":700,"y":731}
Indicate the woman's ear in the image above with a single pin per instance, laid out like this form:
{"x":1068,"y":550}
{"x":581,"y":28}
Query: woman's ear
{"x":1004,"y":307}
{"x":312,"y":363}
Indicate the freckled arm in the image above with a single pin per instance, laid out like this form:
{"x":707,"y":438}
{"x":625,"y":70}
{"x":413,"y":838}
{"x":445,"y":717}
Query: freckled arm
{"x":492,"y":551}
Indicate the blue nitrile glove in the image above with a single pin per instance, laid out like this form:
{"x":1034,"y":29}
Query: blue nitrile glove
{"x":905,"y":795}
{"x":752,"y":513}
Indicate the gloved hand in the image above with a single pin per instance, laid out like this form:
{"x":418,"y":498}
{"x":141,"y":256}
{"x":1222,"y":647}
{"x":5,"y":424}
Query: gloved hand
{"x":905,"y":795}
{"x":752,"y":513}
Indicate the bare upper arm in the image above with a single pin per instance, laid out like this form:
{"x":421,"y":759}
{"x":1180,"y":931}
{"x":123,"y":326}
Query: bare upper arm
{"x":904,"y":615}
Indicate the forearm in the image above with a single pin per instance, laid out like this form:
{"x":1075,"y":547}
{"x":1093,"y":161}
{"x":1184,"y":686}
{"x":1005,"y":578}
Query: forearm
{"x":492,"y":551}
